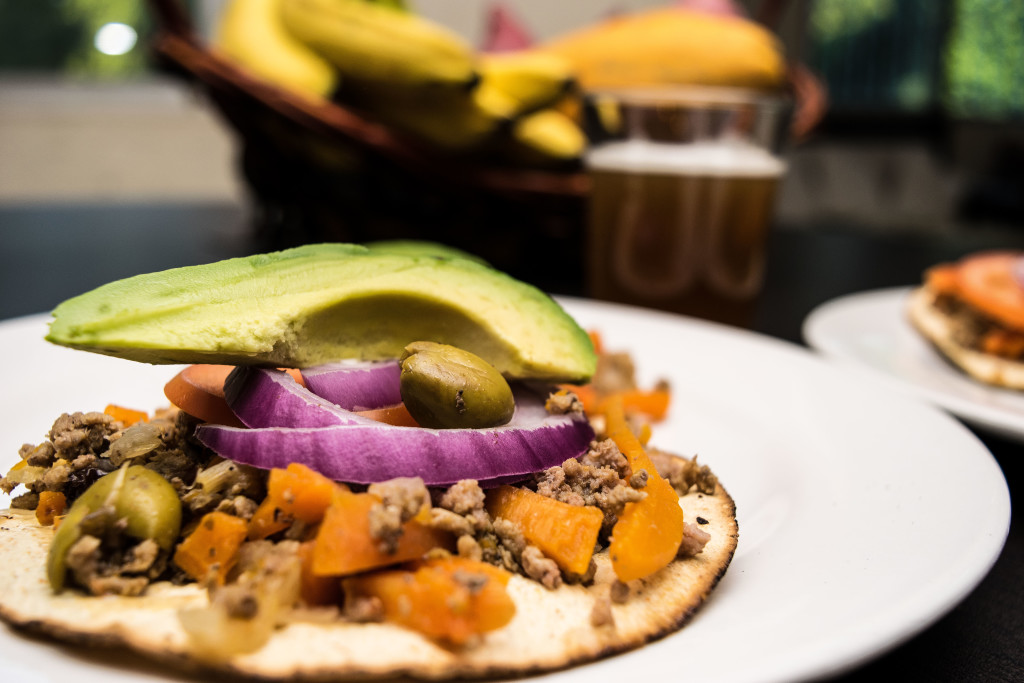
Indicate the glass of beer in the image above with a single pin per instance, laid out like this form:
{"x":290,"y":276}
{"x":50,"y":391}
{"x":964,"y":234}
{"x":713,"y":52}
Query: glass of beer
{"x":683,"y":191}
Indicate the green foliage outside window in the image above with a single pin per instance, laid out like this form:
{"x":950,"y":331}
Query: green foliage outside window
{"x":985,"y":59}
{"x":909,"y":56}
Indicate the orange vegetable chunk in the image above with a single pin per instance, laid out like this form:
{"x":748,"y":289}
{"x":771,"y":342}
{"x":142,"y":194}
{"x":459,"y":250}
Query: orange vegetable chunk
{"x":649,"y":531}
{"x":563,"y":532}
{"x":51,"y":505}
{"x":127,"y":416}
{"x":296,"y":492}
{"x":397,"y":415}
{"x":212,"y":546}
{"x":316,"y":590}
{"x":988,"y":281}
{"x":451,"y":599}
{"x":344,"y":544}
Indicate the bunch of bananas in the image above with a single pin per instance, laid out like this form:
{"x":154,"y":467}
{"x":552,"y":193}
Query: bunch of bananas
{"x":408,"y":73}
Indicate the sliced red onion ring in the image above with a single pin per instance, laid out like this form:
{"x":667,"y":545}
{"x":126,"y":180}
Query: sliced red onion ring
{"x":357,"y":450}
{"x":357,"y":385}
{"x":271,"y":398}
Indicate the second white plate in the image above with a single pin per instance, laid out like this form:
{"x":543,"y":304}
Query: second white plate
{"x":870,"y":331}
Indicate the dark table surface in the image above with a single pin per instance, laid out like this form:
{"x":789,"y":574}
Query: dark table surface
{"x":48,"y":253}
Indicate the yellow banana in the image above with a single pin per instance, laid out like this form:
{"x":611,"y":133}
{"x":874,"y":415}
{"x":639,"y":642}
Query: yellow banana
{"x":377,"y":43}
{"x":454,"y":121}
{"x":546,"y":138}
{"x":250,"y":33}
{"x":533,"y":79}
{"x":672,"y":45}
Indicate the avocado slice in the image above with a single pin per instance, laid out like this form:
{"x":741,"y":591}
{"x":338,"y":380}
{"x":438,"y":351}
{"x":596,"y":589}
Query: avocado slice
{"x":318,"y":303}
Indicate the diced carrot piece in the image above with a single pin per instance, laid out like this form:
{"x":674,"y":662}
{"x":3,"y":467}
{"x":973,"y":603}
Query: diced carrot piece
{"x":451,"y":599}
{"x":595,"y":339}
{"x":942,"y":278}
{"x":563,"y":532}
{"x":653,"y":403}
{"x":127,"y":416}
{"x":296,"y":492}
{"x":212,"y":546}
{"x":316,"y":590}
{"x":344,"y":544}
{"x":51,"y":505}
{"x":647,"y":534}
{"x":199,"y":391}
{"x":397,"y":415}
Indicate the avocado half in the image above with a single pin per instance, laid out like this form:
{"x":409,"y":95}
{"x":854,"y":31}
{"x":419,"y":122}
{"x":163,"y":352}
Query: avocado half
{"x":324,"y":302}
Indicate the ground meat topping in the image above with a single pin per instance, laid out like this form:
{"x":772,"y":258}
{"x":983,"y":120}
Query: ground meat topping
{"x":469,"y":548}
{"x":540,"y":568}
{"x":220,"y":480}
{"x":101,"y":570}
{"x":401,"y":499}
{"x":577,"y":483}
{"x":563,"y":403}
{"x":79,"y":433}
{"x":694,"y":540}
{"x":604,"y":453}
{"x":466,"y":498}
{"x":683,"y":473}
{"x":42,"y":455}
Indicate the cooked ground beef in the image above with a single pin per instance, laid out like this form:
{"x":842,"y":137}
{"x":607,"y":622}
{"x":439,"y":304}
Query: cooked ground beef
{"x":969,"y":326}
{"x":694,"y":540}
{"x":540,"y":568}
{"x":683,"y":473}
{"x":401,"y":500}
{"x":101,"y":569}
{"x":80,"y":433}
{"x":468,"y":547}
{"x":604,"y":453}
{"x":221,"y":480}
{"x":600,"y":484}
{"x":563,"y":403}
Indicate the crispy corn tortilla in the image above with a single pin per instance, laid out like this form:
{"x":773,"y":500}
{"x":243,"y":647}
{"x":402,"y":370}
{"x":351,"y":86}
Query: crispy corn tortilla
{"x":937,"y":328}
{"x":551,"y":629}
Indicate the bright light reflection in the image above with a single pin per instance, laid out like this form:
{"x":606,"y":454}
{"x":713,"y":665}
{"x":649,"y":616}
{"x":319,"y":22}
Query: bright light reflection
{"x":115,"y":38}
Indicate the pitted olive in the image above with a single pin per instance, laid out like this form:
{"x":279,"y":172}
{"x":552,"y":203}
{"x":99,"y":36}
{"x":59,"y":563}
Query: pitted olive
{"x":445,"y":387}
{"x":144,"y":499}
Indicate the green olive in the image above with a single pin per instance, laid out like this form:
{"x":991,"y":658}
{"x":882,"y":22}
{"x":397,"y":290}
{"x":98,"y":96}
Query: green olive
{"x":445,"y":387}
{"x":144,"y":499}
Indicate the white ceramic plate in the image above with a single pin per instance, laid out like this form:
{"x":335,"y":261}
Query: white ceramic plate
{"x":869,"y":331}
{"x":843,"y":496}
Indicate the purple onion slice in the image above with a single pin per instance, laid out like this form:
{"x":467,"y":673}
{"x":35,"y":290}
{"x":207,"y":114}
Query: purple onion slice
{"x":357,"y":385}
{"x":293,"y":425}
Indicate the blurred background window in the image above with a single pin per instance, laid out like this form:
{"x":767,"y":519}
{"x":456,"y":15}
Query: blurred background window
{"x":81,"y":39}
{"x":915,"y":56}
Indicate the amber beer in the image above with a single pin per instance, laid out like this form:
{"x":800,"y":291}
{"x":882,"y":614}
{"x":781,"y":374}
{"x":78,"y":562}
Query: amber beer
{"x":681,"y":227}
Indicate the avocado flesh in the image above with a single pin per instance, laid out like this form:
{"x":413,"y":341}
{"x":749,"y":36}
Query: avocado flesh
{"x":319,"y":303}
